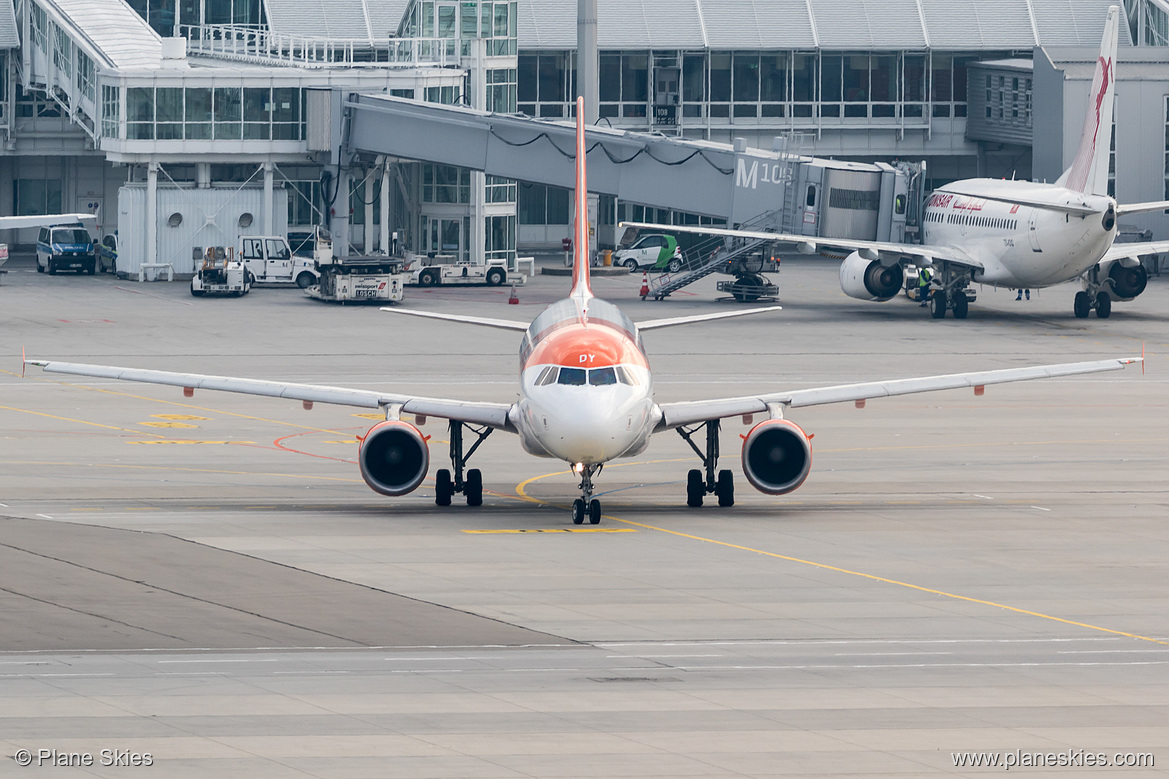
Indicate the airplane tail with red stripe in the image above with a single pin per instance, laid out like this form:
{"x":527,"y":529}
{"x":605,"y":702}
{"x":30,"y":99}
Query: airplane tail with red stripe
{"x":1089,"y":170}
{"x":580,"y":239}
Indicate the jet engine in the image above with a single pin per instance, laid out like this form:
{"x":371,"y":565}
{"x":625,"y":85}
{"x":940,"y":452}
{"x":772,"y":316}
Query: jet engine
{"x":394,"y":458}
{"x":869,"y":279}
{"x":776,"y":456}
{"x":1127,"y":283}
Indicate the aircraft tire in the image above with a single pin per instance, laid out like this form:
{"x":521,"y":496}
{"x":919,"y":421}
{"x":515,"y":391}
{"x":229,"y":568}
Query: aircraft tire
{"x":725,"y":489}
{"x":938,"y":305}
{"x":695,"y":488}
{"x":594,"y":512}
{"x":443,"y":489}
{"x":473,"y":488}
{"x":1103,"y":305}
{"x":961,"y":305}
{"x":1081,"y":305}
{"x":578,"y":511}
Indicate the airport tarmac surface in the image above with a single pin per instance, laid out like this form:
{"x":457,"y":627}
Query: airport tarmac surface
{"x":207,"y":580}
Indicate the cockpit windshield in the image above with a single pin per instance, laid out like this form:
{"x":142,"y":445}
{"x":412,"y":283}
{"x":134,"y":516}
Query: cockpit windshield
{"x":578,"y":377}
{"x":602,"y":376}
{"x":572,"y":376}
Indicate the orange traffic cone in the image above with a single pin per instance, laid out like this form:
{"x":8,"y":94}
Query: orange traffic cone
{"x":513,"y":299}
{"x":644,"y":285}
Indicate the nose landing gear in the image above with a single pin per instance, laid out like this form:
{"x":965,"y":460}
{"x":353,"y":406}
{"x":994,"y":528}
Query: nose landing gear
{"x":698,"y":487}
{"x":586,"y":505}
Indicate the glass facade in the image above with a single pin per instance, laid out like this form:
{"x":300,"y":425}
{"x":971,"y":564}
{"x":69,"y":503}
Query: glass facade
{"x":205,"y":113}
{"x":763,"y":88}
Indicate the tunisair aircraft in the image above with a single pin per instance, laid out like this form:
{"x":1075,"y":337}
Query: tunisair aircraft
{"x":586,"y":397}
{"x":1015,"y":234}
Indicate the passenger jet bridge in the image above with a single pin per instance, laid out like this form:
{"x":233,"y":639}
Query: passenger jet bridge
{"x":717,"y":180}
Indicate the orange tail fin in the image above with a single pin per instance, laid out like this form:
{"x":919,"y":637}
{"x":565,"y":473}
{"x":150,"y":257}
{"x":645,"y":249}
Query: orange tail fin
{"x":580,"y":239}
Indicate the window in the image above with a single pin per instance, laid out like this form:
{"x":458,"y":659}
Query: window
{"x":286,"y":114}
{"x":37,"y":196}
{"x":547,"y":376}
{"x":168,"y":113}
{"x":110,"y":111}
{"x":257,"y":110}
{"x":600,"y":377}
{"x":197,"y":124}
{"x":140,"y":113}
{"x":227,"y":113}
{"x":574,"y":377}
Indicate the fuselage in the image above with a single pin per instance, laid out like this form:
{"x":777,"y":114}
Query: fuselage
{"x":1021,"y":245}
{"x":586,"y":395}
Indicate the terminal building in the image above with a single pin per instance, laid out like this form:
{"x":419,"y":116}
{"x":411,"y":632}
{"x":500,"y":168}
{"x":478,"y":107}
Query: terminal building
{"x":187,"y":123}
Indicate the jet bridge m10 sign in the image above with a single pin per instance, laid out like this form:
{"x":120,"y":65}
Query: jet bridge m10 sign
{"x":808,"y":196}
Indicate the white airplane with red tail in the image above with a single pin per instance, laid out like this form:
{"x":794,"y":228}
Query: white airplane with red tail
{"x":586,"y":397}
{"x":1015,"y":234}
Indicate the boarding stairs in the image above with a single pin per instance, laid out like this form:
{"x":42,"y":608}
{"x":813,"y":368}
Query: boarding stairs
{"x":720,"y":255}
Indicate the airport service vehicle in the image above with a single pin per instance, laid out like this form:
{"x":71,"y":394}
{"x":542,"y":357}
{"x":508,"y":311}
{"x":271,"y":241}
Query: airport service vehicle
{"x":66,"y":247}
{"x":107,"y":253}
{"x":651,"y":252}
{"x":585,"y":397}
{"x":220,"y":274}
{"x":359,"y":279}
{"x":1015,"y":234}
{"x":270,"y":260}
{"x":427,"y":271}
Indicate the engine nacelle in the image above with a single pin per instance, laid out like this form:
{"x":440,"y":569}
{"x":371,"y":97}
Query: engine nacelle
{"x":1127,"y":283}
{"x":776,"y":456}
{"x":394,"y":458}
{"x":869,"y":279}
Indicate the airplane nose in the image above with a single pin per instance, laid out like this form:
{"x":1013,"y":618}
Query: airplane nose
{"x":593,"y":435}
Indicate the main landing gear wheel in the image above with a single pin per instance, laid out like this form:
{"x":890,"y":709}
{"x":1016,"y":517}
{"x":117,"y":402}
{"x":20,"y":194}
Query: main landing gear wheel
{"x":724,"y":488}
{"x":578,"y":511}
{"x":447,"y":484}
{"x":594,"y":512}
{"x":699,"y":485}
{"x":1103,"y":305}
{"x":473,"y":487}
{"x":961,"y":305}
{"x":695,"y":488}
{"x":938,"y":305}
{"x":443,"y":488}
{"x":1081,"y":305}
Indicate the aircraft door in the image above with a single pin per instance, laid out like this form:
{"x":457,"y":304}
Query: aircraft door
{"x":1032,"y":233}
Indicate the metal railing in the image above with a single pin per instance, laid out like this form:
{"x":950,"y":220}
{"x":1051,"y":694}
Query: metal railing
{"x":254,"y":44}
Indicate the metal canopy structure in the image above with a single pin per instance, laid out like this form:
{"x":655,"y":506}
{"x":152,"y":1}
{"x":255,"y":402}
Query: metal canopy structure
{"x":700,"y":177}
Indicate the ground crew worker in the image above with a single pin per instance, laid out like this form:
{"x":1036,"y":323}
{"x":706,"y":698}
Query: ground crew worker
{"x":923,"y":286}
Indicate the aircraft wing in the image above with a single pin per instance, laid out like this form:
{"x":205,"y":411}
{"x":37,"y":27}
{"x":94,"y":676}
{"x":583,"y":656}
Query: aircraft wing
{"x":1123,"y":209}
{"x":482,"y":321}
{"x":693,"y":412}
{"x":472,"y":412}
{"x":46,"y":220}
{"x":1134,"y":250}
{"x":811,"y":244}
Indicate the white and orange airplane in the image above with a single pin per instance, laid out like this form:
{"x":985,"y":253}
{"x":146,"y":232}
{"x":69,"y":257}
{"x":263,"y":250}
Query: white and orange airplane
{"x":586,"y":397}
{"x":1015,"y":234}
